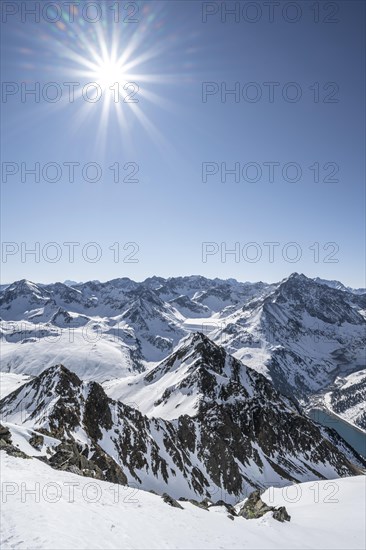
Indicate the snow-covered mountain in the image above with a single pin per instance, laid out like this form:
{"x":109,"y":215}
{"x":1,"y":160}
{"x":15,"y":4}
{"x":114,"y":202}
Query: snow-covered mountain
{"x":24,"y":299}
{"x":301,"y":333}
{"x":348,"y":399}
{"x":340,"y":286}
{"x":197,"y":371}
{"x":216,"y":426}
{"x":65,"y":512}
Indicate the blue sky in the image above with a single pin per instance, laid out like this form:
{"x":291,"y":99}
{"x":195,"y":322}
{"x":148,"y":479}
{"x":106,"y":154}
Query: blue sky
{"x":169,"y":212}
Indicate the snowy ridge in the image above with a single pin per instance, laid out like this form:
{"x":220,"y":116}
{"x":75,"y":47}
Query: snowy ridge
{"x":235,"y":431}
{"x":197,"y":371}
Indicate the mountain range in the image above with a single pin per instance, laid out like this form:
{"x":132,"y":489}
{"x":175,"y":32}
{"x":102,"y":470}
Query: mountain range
{"x":187,"y":386}
{"x":301,"y":333}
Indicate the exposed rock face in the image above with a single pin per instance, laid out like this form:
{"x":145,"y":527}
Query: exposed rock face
{"x":5,"y":434}
{"x":171,"y":501}
{"x":254,"y":508}
{"x":203,"y":505}
{"x":75,"y":458}
{"x":12,"y":450}
{"x":111,"y":471}
{"x":70,"y":457}
{"x":280,"y":514}
{"x":7,"y":445}
{"x":97,"y":414}
{"x":37,"y":441}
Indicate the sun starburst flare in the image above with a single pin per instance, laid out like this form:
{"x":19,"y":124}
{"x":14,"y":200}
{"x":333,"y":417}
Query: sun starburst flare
{"x":118,"y":69}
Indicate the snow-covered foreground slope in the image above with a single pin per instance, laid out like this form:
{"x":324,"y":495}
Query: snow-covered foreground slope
{"x":67,"y":511}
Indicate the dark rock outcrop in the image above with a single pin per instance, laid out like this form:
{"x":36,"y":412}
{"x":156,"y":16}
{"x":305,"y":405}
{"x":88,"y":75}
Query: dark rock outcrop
{"x":5,"y":434}
{"x":280,"y":514}
{"x":72,"y":457}
{"x":6,"y":444}
{"x":171,"y":501}
{"x":37,"y":441}
{"x":12,"y":450}
{"x":203,"y":505}
{"x":255,"y":508}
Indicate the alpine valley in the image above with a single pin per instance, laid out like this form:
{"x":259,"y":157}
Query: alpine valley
{"x":198,"y":391}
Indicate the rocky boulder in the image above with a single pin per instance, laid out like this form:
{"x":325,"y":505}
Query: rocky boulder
{"x":254,"y":508}
{"x":6,"y":444}
{"x":37,"y":441}
{"x":281,"y":514}
{"x":5,"y":434}
{"x":75,"y":458}
{"x":171,"y":501}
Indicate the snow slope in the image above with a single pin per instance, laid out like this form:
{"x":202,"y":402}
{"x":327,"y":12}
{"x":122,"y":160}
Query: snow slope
{"x":95,"y":351}
{"x":9,"y":382}
{"x":68,"y":511}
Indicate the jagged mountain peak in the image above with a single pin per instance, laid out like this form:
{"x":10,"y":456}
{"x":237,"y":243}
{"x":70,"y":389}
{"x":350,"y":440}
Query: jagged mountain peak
{"x":57,"y":379}
{"x":317,"y":285}
{"x":24,"y":287}
{"x":296,"y":275}
{"x":298,"y":333}
{"x":196,"y":338}
{"x":51,"y":401}
{"x":320,"y":301}
{"x":154,"y":282}
{"x":198,"y":346}
{"x":63,"y":290}
{"x":22,"y":297}
{"x":144,"y":294}
{"x":196,"y":372}
{"x":23,"y":283}
{"x":295,"y":280}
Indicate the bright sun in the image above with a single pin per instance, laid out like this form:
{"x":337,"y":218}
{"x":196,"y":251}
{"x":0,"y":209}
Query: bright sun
{"x":120,"y":64}
{"x":108,"y":73}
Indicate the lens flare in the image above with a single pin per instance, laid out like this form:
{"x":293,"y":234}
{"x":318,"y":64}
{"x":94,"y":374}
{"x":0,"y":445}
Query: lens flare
{"x":131,"y":63}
